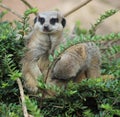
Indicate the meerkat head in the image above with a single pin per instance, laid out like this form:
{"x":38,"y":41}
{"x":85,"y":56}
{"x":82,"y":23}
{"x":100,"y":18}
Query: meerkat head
{"x":50,"y":22}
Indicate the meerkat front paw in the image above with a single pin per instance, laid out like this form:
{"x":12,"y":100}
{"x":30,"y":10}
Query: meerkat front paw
{"x":31,"y":86}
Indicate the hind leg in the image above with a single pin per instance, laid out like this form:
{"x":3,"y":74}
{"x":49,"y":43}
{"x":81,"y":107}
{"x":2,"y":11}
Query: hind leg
{"x":30,"y":83}
{"x":80,"y":77}
{"x":31,"y":73}
{"x":93,"y":72}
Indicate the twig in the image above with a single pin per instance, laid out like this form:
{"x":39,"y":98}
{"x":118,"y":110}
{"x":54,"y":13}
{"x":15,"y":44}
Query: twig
{"x":77,"y":7}
{"x":24,"y":108}
{"x":27,"y":4}
{"x":59,"y":107}
{"x":10,"y":10}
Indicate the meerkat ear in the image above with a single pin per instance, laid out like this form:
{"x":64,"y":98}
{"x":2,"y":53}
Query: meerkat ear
{"x":35,"y":20}
{"x":63,"y":22}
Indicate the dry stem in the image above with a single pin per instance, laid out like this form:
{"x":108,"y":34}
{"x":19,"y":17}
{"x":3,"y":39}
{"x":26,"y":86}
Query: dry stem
{"x":10,"y":10}
{"x":77,"y":7}
{"x":27,"y":4}
{"x":24,"y":108}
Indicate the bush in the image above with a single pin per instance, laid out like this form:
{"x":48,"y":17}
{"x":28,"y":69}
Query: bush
{"x":97,"y":97}
{"x":11,"y":50}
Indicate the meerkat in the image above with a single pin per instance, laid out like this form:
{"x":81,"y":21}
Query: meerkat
{"x":47,"y":34}
{"x":78,"y":62}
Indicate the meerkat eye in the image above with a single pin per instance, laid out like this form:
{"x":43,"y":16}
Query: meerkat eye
{"x":53,"y":21}
{"x":41,"y":20}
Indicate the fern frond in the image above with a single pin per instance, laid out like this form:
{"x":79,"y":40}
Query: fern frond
{"x":33,"y":108}
{"x":101,"y":19}
{"x":12,"y":70}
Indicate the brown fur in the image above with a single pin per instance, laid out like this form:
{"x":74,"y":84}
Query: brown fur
{"x":78,"y":62}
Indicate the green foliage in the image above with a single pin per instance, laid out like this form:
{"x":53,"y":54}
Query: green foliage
{"x":11,"y":51}
{"x":11,"y":110}
{"x":110,"y":111}
{"x":51,"y":59}
{"x":2,"y":14}
{"x":32,"y":107}
{"x":89,"y":97}
{"x":44,"y":87}
{"x":30,"y":11}
{"x":111,"y":67}
{"x":88,"y":113}
{"x":101,"y":19}
{"x":78,"y":30}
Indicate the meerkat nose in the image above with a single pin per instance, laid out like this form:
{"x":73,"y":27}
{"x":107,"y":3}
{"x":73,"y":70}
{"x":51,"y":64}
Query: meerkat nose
{"x":46,"y":28}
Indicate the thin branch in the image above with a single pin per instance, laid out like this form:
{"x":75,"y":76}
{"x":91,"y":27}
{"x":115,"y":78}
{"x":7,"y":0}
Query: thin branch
{"x":27,"y":4}
{"x":51,"y":66}
{"x":10,"y":10}
{"x":77,"y":7}
{"x":24,"y":108}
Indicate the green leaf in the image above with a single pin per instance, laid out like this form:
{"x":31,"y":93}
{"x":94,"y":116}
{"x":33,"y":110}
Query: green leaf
{"x":30,"y":11}
{"x":61,"y":48}
{"x":51,"y":58}
{"x":56,"y":53}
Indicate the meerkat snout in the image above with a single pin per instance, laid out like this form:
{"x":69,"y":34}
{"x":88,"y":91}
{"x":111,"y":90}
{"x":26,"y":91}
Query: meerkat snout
{"x":46,"y":28}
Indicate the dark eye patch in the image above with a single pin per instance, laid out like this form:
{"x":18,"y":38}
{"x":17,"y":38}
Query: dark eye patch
{"x":41,"y":20}
{"x":53,"y":21}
